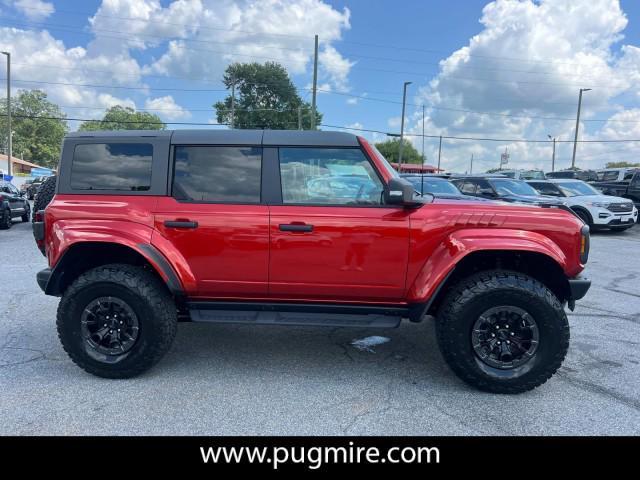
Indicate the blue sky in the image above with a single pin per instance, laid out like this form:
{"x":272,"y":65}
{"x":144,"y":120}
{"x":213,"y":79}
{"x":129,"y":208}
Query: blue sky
{"x":507,"y":69}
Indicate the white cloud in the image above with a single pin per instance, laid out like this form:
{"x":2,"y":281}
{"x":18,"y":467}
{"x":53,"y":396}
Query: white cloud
{"x":166,"y":107}
{"x":224,"y":31}
{"x":33,"y":9}
{"x":529,"y":60}
{"x":38,"y":57}
{"x":336,"y":67}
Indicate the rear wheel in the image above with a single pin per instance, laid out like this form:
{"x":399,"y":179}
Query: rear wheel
{"x":5,"y":219}
{"x":27,"y":212}
{"x":502,"y":331}
{"x":116,"y":321}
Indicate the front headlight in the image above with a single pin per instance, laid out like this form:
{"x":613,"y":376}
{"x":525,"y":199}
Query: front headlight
{"x":599,"y":204}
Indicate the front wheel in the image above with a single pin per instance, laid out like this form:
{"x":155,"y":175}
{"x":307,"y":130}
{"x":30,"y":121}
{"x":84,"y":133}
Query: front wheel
{"x":5,"y":219}
{"x":26,"y":214}
{"x":116,"y":321}
{"x":502,"y":331}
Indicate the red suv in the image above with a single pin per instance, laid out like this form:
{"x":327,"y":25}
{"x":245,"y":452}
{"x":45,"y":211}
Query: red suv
{"x":296,"y":228}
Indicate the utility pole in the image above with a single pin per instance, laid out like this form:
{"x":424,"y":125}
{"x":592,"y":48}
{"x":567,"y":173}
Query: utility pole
{"x":471,"y":166}
{"x":299,"y":117}
{"x":315,"y":84}
{"x":233,"y":104}
{"x":404,"y":101}
{"x":575,"y":141}
{"x":10,"y":149}
{"x":439,"y":153}
{"x":553,"y":155}
{"x":423,"y":157}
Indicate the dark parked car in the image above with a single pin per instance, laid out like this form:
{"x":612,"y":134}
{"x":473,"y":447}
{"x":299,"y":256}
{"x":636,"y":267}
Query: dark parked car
{"x":33,"y":187}
{"x":12,"y":205}
{"x":434,"y":185}
{"x":501,"y":188}
{"x":584,"y":175}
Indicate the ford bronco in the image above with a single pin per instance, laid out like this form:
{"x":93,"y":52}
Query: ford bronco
{"x":145,"y":229}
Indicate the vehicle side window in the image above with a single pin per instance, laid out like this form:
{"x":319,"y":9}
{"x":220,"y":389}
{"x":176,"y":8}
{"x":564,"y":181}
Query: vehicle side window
{"x":610,"y":176}
{"x":485,"y":189}
{"x":628,"y":176}
{"x":636,"y":180}
{"x":217,"y":174}
{"x":467,"y":187}
{"x":547,"y":189}
{"x":328,"y":176}
{"x":112,"y":166}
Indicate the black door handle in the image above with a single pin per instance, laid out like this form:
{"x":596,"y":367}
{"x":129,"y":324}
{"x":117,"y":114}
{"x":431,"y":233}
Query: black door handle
{"x":180,"y":224}
{"x":295,"y":227}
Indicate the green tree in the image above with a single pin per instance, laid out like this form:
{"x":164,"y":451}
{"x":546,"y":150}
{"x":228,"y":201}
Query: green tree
{"x":265,"y":97}
{"x":390,"y":149}
{"x":124,"y":118}
{"x":622,"y":164}
{"x":38,"y":127}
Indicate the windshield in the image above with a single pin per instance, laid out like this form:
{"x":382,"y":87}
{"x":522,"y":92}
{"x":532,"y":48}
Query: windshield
{"x":533,"y":175}
{"x":505,"y":186}
{"x":433,"y":185}
{"x":384,"y":161}
{"x":577,"y":189}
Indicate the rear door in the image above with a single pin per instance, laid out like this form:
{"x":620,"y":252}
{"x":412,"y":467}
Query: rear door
{"x":332,"y":238}
{"x":215,"y":221}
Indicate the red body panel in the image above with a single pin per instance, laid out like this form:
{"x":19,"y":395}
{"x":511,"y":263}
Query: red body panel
{"x":353,"y":253}
{"x":227,"y":255}
{"x":361,"y":254}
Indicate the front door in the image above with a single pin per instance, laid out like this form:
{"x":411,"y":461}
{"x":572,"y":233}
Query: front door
{"x":215,"y":221}
{"x":332,"y":238}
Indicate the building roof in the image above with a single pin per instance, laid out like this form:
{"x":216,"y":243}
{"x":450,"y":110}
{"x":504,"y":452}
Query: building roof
{"x":19,"y":161}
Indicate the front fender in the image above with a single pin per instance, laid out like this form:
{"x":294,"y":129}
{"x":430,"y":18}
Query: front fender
{"x":461,"y":243}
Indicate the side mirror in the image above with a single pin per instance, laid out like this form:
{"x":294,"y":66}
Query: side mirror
{"x":400,"y":192}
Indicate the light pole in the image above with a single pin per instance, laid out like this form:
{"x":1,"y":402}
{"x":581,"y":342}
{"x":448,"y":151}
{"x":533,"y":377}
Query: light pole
{"x":10,"y":150}
{"x":553,"y":155}
{"x":404,"y":101}
{"x":575,"y":141}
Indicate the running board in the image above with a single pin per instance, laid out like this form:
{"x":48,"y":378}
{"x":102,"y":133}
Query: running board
{"x":292,"y":314}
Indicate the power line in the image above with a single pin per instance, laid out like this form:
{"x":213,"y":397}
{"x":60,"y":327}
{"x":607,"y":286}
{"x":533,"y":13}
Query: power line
{"x":310,"y":37}
{"x":447,"y":137}
{"x":474,"y":112}
{"x":359,"y":67}
{"x":94,"y":31}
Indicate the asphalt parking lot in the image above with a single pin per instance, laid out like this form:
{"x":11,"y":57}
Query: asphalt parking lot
{"x":237,"y":380}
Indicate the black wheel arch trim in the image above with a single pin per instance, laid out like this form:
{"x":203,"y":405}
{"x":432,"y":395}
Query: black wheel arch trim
{"x":173,"y":281}
{"x":50,"y":279}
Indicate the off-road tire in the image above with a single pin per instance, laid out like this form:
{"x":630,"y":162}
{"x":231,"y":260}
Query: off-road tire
{"x":5,"y":219}
{"x":146,"y":295}
{"x":472,"y":296}
{"x":44,"y":195}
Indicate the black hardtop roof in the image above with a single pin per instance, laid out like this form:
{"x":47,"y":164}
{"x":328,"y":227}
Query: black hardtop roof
{"x":305,"y":138}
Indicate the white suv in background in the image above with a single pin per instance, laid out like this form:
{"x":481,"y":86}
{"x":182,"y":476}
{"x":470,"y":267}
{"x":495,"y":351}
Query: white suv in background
{"x":595,"y":209}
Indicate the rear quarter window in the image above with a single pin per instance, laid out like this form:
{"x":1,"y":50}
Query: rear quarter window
{"x":112,"y":166}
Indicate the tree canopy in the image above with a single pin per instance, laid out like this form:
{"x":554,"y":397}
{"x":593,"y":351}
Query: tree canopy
{"x":38,"y":127}
{"x":622,"y":164}
{"x":390,"y":149}
{"x":124,"y":118}
{"x":265,"y":97}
